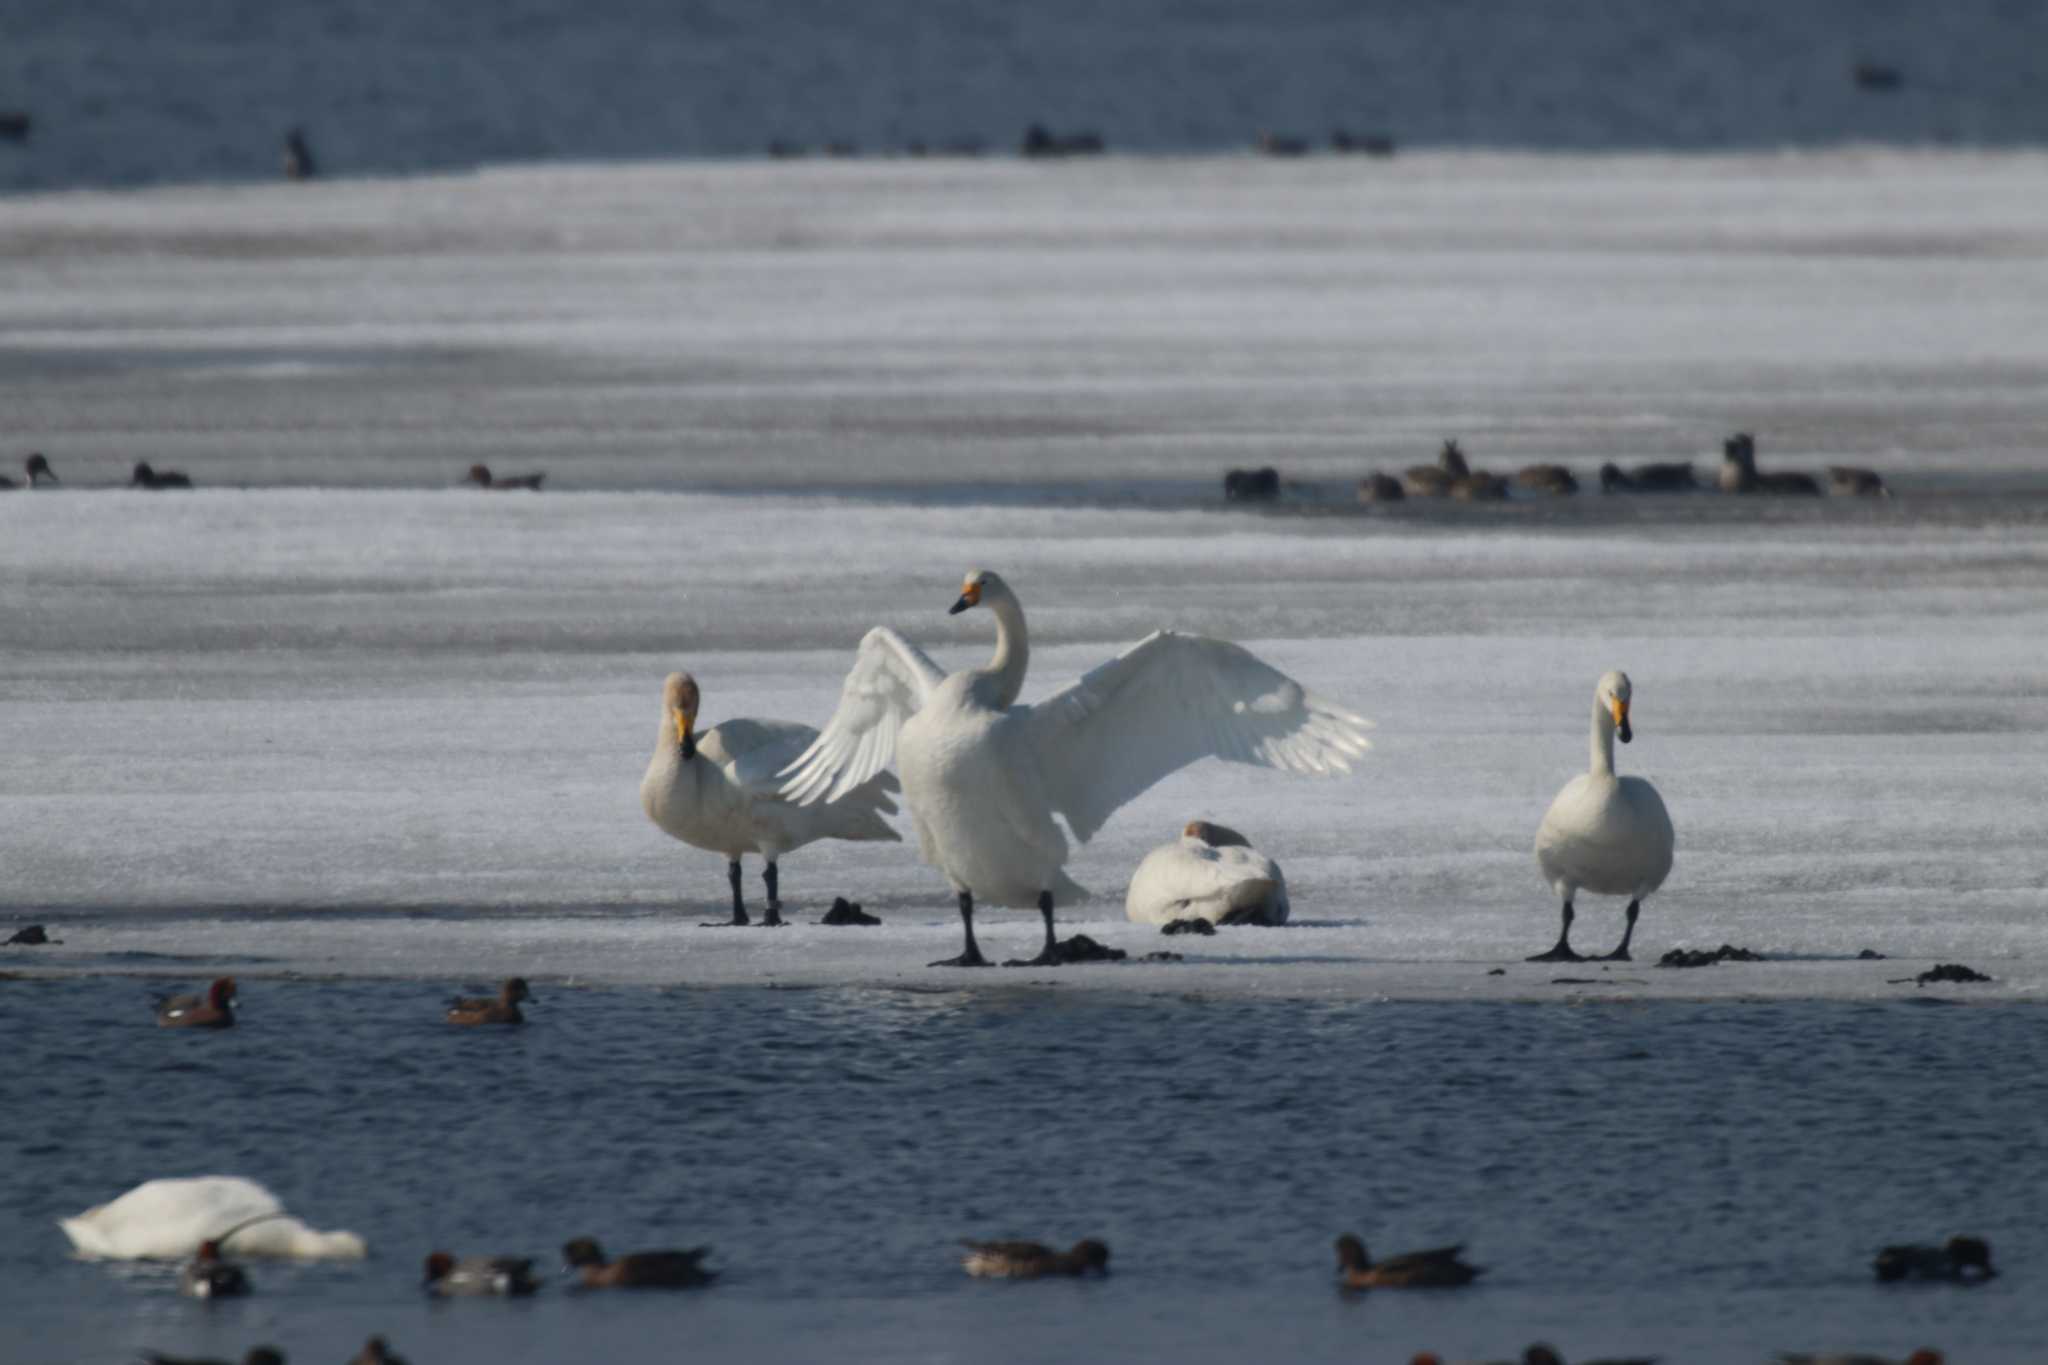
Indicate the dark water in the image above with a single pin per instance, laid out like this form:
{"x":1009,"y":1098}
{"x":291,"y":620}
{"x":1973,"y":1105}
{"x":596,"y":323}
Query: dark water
{"x":1703,"y":1180}
{"x":132,"y":91}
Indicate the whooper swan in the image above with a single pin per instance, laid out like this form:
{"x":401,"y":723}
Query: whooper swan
{"x":1604,"y":833}
{"x":984,"y":776}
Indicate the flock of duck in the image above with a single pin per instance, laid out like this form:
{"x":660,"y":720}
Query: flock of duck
{"x":38,"y":473}
{"x":197,"y":1218}
{"x":1452,"y":476}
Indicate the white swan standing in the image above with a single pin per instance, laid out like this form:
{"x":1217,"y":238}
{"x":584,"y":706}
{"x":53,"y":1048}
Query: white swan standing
{"x":166,"y":1220}
{"x":1603,"y":833}
{"x":984,"y":776}
{"x":1210,"y":872}
{"x":717,"y":791}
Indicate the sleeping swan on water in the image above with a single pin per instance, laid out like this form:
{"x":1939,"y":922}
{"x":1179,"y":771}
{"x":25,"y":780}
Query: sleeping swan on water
{"x":1604,"y":833}
{"x":984,"y":776}
{"x":1210,"y":873}
{"x":166,"y":1220}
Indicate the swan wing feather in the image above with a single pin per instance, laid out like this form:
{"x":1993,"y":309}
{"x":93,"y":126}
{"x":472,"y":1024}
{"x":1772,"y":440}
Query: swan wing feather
{"x":888,"y":683}
{"x":754,"y":752}
{"x":1169,"y":700}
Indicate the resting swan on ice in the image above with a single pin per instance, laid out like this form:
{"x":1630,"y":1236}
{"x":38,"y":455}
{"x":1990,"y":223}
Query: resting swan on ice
{"x":716,"y":790}
{"x":1210,"y":872}
{"x":1604,"y":833}
{"x":984,"y":776}
{"x":166,"y":1220}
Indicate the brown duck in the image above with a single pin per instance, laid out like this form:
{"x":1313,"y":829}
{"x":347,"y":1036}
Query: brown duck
{"x":1436,"y":480}
{"x":637,"y":1270}
{"x":215,"y":1009}
{"x":502,"y":1008}
{"x":1553,"y":479}
{"x":1032,"y":1260}
{"x":1379,"y":487}
{"x":1438,"y":1269}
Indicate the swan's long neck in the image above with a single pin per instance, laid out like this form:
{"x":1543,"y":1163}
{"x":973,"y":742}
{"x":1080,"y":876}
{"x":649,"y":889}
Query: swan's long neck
{"x":668,"y":745}
{"x":1013,"y":650}
{"x":1603,"y":740}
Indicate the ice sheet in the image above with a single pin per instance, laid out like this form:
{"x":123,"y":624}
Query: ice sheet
{"x":330,"y":701}
{"x":1112,"y":327}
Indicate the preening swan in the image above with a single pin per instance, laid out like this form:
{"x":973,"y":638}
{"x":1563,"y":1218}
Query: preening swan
{"x":984,"y":776}
{"x":168,"y":1219}
{"x":716,"y":790}
{"x":1604,"y":833}
{"x":1210,"y":873}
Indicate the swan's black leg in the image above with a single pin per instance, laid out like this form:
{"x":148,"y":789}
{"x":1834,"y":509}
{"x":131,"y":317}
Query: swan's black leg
{"x":773,"y":919}
{"x":1621,"y":954}
{"x":739,"y":904}
{"x":1563,"y":951}
{"x":1049,"y":956}
{"x":972,"y":957}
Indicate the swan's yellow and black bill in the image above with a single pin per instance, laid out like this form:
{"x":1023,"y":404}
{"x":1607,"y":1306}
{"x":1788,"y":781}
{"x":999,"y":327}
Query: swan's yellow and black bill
{"x":685,"y":733}
{"x":970,"y":596}
{"x":1621,"y":729}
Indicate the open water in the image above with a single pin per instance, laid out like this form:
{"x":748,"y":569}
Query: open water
{"x":1702,"y":1181}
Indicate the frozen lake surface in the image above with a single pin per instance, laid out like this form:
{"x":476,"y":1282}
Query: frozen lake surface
{"x":232,"y":710}
{"x":358,"y":736}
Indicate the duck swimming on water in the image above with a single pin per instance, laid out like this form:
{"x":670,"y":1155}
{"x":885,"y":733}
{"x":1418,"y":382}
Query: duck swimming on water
{"x":1442,"y":1268}
{"x":1963,"y":1260}
{"x":1033,"y":1260}
{"x":215,"y":1009}
{"x":636,"y":1270}
{"x":447,"y":1277}
{"x":208,"y":1275}
{"x":502,"y":1008}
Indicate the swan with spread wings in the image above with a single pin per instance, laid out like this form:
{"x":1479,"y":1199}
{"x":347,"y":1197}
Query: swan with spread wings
{"x":984,"y":776}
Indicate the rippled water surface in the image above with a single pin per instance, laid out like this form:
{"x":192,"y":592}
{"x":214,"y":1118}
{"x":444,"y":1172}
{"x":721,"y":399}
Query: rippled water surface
{"x":1703,"y":1180}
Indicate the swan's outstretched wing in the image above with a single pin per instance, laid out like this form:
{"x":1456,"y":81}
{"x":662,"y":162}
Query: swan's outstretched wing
{"x":889,"y":681}
{"x":754,"y":752}
{"x":1169,"y":700}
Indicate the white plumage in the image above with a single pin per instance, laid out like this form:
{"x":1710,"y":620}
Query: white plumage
{"x":166,"y":1220}
{"x":1209,"y":873}
{"x":1606,"y":834}
{"x":717,"y":790}
{"x":984,"y":776}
